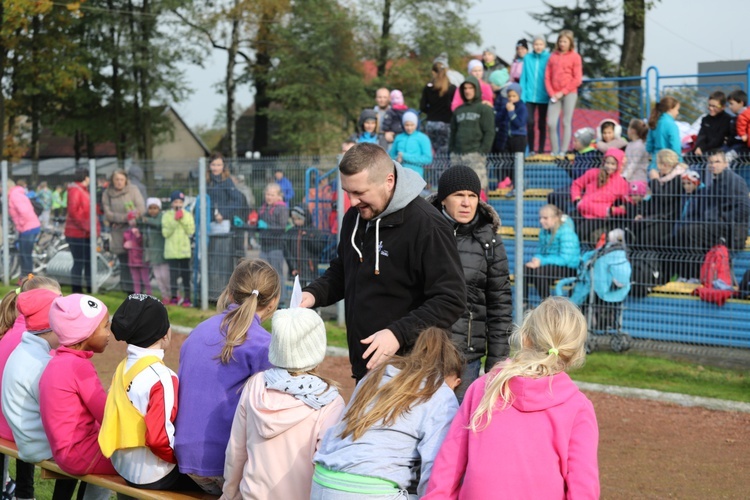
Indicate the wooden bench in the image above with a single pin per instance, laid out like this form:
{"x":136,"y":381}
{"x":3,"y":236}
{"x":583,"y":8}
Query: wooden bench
{"x":50,"y":470}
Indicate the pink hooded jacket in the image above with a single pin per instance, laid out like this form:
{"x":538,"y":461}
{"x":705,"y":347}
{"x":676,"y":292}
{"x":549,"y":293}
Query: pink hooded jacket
{"x":282,"y":434}
{"x":544,"y":445}
{"x":564,"y":72}
{"x":21,"y":211}
{"x":596,"y":201}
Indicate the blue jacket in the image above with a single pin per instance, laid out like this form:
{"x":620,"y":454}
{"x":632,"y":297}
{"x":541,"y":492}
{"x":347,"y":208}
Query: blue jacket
{"x":532,"y":77}
{"x":612,"y":272}
{"x":666,"y":135}
{"x":415,"y":149}
{"x":507,"y":124}
{"x":562,"y":249}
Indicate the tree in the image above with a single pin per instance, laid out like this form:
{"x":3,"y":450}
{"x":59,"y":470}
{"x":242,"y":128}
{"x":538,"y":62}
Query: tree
{"x":317,"y":84}
{"x":592,"y":24}
{"x":422,"y":29}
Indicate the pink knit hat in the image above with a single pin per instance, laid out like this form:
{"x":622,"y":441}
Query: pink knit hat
{"x":397,"y":97}
{"x":75,"y":317}
{"x":35,"y":305}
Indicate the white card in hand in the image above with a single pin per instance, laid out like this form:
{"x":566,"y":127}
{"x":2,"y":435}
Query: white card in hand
{"x":296,"y":294}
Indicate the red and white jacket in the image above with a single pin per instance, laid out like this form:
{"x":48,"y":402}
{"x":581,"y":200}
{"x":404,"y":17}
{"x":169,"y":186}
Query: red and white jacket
{"x":154,"y":394}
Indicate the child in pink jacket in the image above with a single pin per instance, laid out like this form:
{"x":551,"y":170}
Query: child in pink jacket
{"x":525,"y":430}
{"x":282,"y":414}
{"x":71,"y":397}
{"x":562,"y":77}
{"x":597,"y":191}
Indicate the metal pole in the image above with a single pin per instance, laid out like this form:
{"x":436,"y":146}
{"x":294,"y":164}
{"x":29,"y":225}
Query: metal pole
{"x":340,"y":311}
{"x":518,"y":306}
{"x":203,"y":224}
{"x":93,"y":286}
{"x":6,"y":221}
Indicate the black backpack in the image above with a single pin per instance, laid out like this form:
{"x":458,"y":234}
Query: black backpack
{"x":38,"y":207}
{"x":646,"y":273}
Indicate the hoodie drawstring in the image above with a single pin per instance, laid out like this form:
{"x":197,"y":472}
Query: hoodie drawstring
{"x":354,"y":235}
{"x":377,"y":250}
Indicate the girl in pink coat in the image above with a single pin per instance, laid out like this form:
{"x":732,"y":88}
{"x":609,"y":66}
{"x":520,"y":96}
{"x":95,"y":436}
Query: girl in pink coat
{"x":525,"y":430}
{"x":595,"y":192}
{"x":562,"y":77}
{"x":27,"y":224}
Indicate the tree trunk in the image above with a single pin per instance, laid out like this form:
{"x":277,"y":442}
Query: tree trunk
{"x":385,"y":39}
{"x":120,"y":136}
{"x":36,"y":113}
{"x":77,"y":145}
{"x":3,"y":58}
{"x":261,"y":70}
{"x":146,"y":25}
{"x":230,"y":84}
{"x":631,"y":59}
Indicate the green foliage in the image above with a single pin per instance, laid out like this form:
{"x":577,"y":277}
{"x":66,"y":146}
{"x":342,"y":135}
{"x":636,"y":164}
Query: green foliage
{"x":593,"y":25}
{"x":316,"y":84}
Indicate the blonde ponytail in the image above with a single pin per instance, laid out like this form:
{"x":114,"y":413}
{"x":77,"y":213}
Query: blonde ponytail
{"x":254,"y":285}
{"x":551,"y":340}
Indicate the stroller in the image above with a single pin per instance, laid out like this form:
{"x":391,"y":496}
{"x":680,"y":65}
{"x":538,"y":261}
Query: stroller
{"x":608,"y":269}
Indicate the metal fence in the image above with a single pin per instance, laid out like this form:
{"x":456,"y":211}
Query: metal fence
{"x":667,"y":229}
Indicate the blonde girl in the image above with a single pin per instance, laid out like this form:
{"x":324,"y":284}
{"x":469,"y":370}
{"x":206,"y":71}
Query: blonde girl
{"x":397,"y":418}
{"x":526,"y":425}
{"x":216,"y":359}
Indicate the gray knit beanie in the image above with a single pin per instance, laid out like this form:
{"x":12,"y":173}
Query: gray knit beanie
{"x":298,"y":339}
{"x":458,"y":178}
{"x":585,"y":136}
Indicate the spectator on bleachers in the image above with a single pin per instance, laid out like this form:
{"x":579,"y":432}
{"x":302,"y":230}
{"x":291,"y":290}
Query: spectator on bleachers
{"x":636,"y":156}
{"x":367,"y":129}
{"x":303,"y":246}
{"x":216,"y":360}
{"x":535,"y":92}
{"x":510,"y":129}
{"x":392,"y":124}
{"x":609,"y":135}
{"x":715,"y":126}
{"x":472,"y":131}
{"x":586,"y":157}
{"x":559,"y":253}
{"x":738,"y":106}
{"x":498,"y":79}
{"x":490,"y":63}
{"x":630,"y":207}
{"x":287,"y":190}
{"x":455,"y":77}
{"x":692,"y":212}
{"x":726,"y":215}
{"x":516,"y":67}
{"x":562,"y":77}
{"x":594,"y":194}
{"x":663,"y":133}
{"x":655,"y":222}
{"x":484,"y":326}
{"x":412,"y":148}
{"x":485,"y":89}
{"x":436,"y":100}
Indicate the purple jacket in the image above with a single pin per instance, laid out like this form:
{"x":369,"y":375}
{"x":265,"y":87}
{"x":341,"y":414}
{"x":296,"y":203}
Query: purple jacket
{"x":210,"y":391}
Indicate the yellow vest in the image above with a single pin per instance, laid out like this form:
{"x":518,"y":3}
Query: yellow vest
{"x":123,"y":425}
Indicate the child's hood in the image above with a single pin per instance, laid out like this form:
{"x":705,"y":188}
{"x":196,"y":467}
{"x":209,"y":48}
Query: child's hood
{"x":366,"y":114}
{"x":539,"y":394}
{"x":617,"y":154}
{"x":273,"y":412}
{"x":477,"y":89}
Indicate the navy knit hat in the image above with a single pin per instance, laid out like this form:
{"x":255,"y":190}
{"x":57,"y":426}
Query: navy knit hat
{"x":458,"y":178}
{"x":176,"y":195}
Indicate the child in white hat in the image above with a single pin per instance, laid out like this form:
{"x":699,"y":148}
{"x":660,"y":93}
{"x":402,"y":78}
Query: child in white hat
{"x":282,"y":414}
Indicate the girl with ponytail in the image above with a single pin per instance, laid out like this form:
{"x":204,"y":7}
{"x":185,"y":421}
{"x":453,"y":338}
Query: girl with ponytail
{"x":397,"y":417}
{"x":663,"y":131}
{"x":215,"y":362}
{"x":526,"y":424}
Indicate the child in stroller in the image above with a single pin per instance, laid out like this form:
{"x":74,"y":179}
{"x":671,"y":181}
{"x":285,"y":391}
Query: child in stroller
{"x":600,"y":288}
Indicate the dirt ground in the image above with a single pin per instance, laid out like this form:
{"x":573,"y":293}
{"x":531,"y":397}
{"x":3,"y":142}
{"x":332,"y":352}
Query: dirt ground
{"x":647,"y":449}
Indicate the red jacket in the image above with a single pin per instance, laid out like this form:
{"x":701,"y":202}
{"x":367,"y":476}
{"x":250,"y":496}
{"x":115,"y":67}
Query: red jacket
{"x":743,"y":124}
{"x":564,"y":73}
{"x":596,"y":201}
{"x":77,"y":224}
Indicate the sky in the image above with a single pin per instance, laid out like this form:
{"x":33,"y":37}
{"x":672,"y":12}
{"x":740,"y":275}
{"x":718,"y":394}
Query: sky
{"x":679,"y":35}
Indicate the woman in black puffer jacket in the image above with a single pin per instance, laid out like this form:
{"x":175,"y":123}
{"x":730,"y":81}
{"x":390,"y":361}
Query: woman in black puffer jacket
{"x":486,"y":324}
